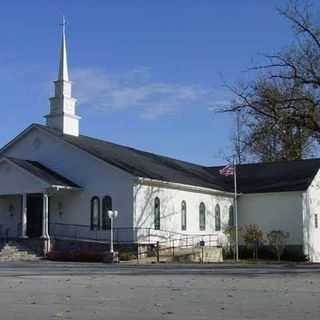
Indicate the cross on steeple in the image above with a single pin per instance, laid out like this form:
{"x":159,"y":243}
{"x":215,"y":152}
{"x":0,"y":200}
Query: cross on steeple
{"x":62,"y":115}
{"x":63,"y":24}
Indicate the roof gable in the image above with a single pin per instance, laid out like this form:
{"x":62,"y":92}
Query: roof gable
{"x":43,"y":173}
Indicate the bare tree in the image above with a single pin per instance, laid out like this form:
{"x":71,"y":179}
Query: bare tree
{"x":282,"y":104}
{"x":277,"y":240}
{"x":253,"y":237}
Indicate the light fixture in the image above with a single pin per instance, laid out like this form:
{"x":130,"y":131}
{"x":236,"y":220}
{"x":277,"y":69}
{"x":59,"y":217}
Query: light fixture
{"x":113,"y":214}
{"x":11,"y":209}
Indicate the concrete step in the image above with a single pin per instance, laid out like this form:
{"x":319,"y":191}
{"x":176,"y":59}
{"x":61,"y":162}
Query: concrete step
{"x":13,"y":251}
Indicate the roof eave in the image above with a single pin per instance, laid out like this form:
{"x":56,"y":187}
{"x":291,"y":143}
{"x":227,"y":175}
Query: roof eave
{"x":187,"y":187}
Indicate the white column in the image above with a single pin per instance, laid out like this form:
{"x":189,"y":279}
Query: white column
{"x":24,"y":217}
{"x":45,"y":217}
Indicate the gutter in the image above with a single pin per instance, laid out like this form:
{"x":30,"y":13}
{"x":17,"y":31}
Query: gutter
{"x":181,"y":186}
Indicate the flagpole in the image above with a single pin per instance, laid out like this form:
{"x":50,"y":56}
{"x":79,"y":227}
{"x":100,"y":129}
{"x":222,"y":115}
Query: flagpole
{"x":236,"y":208}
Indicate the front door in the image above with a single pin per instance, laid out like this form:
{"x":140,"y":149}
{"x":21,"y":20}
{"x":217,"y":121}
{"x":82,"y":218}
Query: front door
{"x":34,"y":215}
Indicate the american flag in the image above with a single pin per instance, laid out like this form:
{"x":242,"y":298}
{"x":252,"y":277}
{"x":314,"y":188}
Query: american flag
{"x":227,"y":170}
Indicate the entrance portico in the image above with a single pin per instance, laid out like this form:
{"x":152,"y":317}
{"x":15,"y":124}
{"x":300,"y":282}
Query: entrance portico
{"x":25,"y":189}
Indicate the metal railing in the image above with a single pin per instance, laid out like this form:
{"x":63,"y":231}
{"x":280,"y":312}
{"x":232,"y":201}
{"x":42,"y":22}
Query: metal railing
{"x":128,"y":235}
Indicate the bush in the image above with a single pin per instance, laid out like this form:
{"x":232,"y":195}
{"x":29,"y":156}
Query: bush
{"x":126,"y":256}
{"x":253,"y":237}
{"x":277,"y":240}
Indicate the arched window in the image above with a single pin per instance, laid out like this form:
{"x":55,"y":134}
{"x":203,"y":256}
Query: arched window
{"x":183,"y":215}
{"x":231,"y":217}
{"x":95,"y":214}
{"x":157,"y":213}
{"x":217,"y":218}
{"x":202,"y":216}
{"x":106,"y":206}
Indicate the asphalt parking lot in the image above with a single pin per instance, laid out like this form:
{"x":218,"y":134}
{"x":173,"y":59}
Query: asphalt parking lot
{"x":74,"y":268}
{"x":51,"y":290}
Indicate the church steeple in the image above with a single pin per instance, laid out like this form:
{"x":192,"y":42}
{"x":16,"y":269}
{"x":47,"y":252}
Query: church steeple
{"x":63,"y":65}
{"x":62,"y":114}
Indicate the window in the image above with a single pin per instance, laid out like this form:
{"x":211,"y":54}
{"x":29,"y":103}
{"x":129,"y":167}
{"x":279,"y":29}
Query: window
{"x":106,"y":206}
{"x":231,"y":217}
{"x":157,"y":213}
{"x":316,"y":221}
{"x":95,"y":213}
{"x":183,"y":215}
{"x":202,"y":217}
{"x":217,"y":218}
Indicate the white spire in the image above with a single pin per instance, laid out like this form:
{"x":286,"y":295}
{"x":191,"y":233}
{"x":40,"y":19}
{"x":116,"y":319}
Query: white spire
{"x":62,"y":114}
{"x":63,"y":66}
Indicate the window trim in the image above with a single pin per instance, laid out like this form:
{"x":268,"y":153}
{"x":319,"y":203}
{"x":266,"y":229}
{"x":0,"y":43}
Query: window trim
{"x":217,"y":217}
{"x":106,"y":221}
{"x":183,"y":215}
{"x":157,"y":213}
{"x":202,"y":212}
{"x":94,"y":227}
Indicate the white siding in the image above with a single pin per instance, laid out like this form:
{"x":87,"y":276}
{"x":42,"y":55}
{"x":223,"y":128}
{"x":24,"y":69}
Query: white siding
{"x":311,"y":206}
{"x":274,"y":211}
{"x":15,"y":180}
{"x":171,"y":199}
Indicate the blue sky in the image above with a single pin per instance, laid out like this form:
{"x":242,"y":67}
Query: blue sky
{"x":146,"y":73}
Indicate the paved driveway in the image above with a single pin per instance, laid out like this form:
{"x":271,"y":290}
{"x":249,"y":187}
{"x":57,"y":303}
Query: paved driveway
{"x":47,"y":290}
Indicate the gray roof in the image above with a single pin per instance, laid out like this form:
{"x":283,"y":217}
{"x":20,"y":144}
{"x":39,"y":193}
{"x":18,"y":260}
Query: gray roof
{"x":252,"y":178}
{"x":145,"y":164}
{"x":278,"y":176}
{"x":44,"y":173}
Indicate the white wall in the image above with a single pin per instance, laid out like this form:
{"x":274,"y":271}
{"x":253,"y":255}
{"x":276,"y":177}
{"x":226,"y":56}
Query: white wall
{"x":171,"y":198}
{"x":96,"y":178}
{"x":311,"y":207}
{"x":274,"y":211}
{"x":9,"y":223}
{"x":15,"y":180}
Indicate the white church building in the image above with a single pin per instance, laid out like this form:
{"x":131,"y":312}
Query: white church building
{"x":57,"y":185}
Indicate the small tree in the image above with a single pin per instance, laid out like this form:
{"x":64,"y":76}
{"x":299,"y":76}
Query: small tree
{"x":277,"y":240}
{"x":230,"y":233}
{"x":253,"y":237}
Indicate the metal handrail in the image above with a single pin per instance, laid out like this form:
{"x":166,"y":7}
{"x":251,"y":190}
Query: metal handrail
{"x":131,"y":235}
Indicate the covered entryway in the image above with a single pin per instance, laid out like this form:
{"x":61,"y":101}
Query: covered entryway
{"x":25,"y":189}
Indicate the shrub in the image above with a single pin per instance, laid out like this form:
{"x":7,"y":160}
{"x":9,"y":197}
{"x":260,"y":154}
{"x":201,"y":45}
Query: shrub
{"x":126,"y":255}
{"x":277,"y":240}
{"x":253,"y":237}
